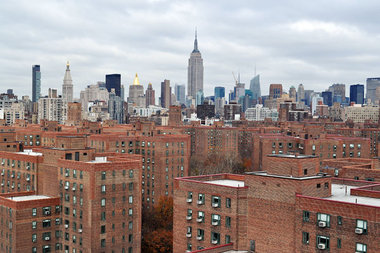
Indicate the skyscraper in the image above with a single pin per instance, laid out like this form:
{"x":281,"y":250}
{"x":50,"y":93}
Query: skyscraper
{"x":372,"y":84}
{"x":36,"y":83}
{"x":180,"y":93}
{"x":67,"y":86}
{"x":219,"y":92}
{"x":292,"y":92}
{"x":300,"y":93}
{"x":165,"y":94}
{"x":113,"y":81}
{"x":357,"y":93}
{"x":150,"y":95}
{"x":275,"y":91}
{"x":136,"y":93}
{"x":255,"y":87}
{"x":195,"y":71}
{"x":327,"y":98}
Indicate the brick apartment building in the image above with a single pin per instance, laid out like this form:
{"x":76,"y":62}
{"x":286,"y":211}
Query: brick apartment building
{"x":30,"y":222}
{"x":289,"y":207}
{"x":99,"y":195}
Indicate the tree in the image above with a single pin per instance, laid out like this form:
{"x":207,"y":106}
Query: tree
{"x":157,"y":227}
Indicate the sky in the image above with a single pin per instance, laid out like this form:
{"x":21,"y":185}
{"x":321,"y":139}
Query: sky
{"x":316,"y":43}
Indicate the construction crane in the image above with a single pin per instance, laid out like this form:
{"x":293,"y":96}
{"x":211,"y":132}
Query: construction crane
{"x":233,"y":74}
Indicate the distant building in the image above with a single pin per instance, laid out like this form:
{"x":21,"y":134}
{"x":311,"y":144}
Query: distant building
{"x":67,"y":86}
{"x":255,"y":87}
{"x":372,"y":84}
{"x":165,"y":94}
{"x":300,"y":93}
{"x":338,"y":89}
{"x":52,"y":108}
{"x":219,"y":92}
{"x":232,"y":111}
{"x":275,"y":91}
{"x":360,"y":114}
{"x":150,"y":96}
{"x":136,"y":93}
{"x":36,"y":83}
{"x":357,"y":93}
{"x":116,"y":107}
{"x":293,"y":93}
{"x":205,"y":111}
{"x":180,"y":93}
{"x":199,"y":98}
{"x":113,"y":81}
{"x":195,"y":71}
{"x":260,"y":113}
{"x":327,"y":98}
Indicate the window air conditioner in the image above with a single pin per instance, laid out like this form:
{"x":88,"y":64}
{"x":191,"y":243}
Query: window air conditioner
{"x":321,"y":224}
{"x":321,"y":246}
{"x":359,"y":231}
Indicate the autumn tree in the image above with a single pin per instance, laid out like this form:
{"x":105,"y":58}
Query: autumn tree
{"x":157,"y":227}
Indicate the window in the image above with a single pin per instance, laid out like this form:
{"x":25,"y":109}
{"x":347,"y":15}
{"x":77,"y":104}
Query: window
{"x":130,"y":199}
{"x":103,"y":175}
{"x":201,"y":199}
{"x":215,"y":219}
{"x":323,"y":242}
{"x":201,"y":216}
{"x":131,"y":173}
{"x":360,"y":247}
{"x":216,"y":201}
{"x":306,"y":216}
{"x":34,"y":237}
{"x":189,"y":214}
{"x":228,"y":239}
{"x":339,"y":243}
{"x":34,"y":211}
{"x":46,"y":223}
{"x":103,"y":189}
{"x":34,"y":224}
{"x":189,"y":247}
{"x":361,"y":224}
{"x":228,"y":202}
{"x":103,"y":229}
{"x":323,"y":220}
{"x":200,"y":234}
{"x":339,"y":220}
{"x":189,"y":197}
{"x":103,"y":243}
{"x":103,"y":202}
{"x":188,"y":233}
{"x":305,"y":238}
{"x":228,"y":221}
{"x":215,"y":238}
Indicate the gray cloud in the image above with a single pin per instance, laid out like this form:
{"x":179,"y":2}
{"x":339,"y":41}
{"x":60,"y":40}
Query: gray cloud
{"x":316,"y":43}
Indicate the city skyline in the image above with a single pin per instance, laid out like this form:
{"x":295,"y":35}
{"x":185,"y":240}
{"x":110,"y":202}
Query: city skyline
{"x":157,"y":47}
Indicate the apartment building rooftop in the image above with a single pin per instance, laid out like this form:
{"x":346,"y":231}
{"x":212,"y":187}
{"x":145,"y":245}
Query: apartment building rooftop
{"x":28,"y":197}
{"x":29,"y":152}
{"x":351,"y":194}
{"x":227,"y":182}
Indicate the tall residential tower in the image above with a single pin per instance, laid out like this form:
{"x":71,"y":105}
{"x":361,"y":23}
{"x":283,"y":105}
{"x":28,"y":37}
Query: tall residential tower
{"x":36,"y":83}
{"x":195,"y":71}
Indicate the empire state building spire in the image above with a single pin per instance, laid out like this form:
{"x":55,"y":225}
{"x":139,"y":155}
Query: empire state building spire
{"x":67,"y":86}
{"x":195,"y":71}
{"x":196,"y":43}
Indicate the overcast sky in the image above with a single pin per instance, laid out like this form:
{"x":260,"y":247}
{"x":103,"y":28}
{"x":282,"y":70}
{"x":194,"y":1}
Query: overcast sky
{"x":316,"y":43}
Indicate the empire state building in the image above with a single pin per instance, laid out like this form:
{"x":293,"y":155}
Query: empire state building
{"x":195,"y":71}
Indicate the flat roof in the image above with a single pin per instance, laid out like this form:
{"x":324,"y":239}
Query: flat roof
{"x":227,"y":182}
{"x":340,"y":192}
{"x":292,"y":156}
{"x":29,"y":152}
{"x":29,"y":197}
{"x":265,"y":174}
